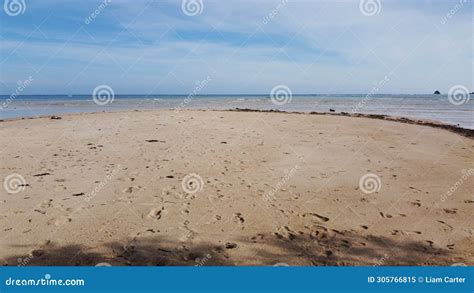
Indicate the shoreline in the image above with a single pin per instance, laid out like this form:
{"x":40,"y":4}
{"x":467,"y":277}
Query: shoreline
{"x":466,"y":132}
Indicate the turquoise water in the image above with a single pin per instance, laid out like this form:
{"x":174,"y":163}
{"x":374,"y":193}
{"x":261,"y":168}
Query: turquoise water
{"x":432,"y":107}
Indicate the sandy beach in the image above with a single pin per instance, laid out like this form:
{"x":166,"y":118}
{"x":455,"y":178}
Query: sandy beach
{"x":234,"y":188}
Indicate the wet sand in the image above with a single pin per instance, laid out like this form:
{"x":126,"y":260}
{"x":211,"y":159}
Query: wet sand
{"x":234,"y":188}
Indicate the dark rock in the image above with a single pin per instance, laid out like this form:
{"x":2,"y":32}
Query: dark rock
{"x":436,"y":93}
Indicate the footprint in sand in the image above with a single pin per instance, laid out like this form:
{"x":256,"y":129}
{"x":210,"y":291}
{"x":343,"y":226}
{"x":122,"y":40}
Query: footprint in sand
{"x":284,"y":232}
{"x":238,"y":218}
{"x":46,"y":203}
{"x":60,"y":221}
{"x":315,"y":216}
{"x":214,"y":219}
{"x":188,"y":234}
{"x":450,"y":211}
{"x":39,"y":211}
{"x":185,"y":208}
{"x":132,"y":188}
{"x":385,"y":215}
{"x":399,"y":232}
{"x":149,"y":232}
{"x":156,"y":213}
{"x":42,"y":174}
{"x":60,"y":188}
{"x":446,"y":227}
{"x":321,"y":233}
{"x":230,"y":245}
{"x":257,"y":238}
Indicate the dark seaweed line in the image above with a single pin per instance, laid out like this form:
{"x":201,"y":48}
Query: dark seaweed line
{"x":453,"y":128}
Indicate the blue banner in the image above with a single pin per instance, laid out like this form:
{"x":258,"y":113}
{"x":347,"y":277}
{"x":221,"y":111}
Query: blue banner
{"x":237,"y":279}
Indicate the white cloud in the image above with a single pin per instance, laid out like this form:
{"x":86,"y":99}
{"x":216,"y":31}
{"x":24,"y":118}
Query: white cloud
{"x":334,"y":48}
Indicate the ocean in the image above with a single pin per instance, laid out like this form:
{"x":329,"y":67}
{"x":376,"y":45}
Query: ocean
{"x":431,"y":107}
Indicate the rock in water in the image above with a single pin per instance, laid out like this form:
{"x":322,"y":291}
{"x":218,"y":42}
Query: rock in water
{"x":436,"y":93}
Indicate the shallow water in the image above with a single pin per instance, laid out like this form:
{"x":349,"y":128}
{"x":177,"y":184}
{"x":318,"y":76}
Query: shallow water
{"x":432,"y":107}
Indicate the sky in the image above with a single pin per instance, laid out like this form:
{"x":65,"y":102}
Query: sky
{"x":239,"y":47}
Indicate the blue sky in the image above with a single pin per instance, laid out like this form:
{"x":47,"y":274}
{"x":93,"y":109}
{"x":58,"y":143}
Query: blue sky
{"x":244,"y":47}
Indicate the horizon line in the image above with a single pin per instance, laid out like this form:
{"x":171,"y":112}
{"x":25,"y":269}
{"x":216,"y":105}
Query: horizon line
{"x":230,"y":94}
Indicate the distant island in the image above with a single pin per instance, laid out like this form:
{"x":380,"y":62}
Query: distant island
{"x":436,"y":93}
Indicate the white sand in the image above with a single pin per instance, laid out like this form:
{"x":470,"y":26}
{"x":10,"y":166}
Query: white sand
{"x":276,"y":188}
